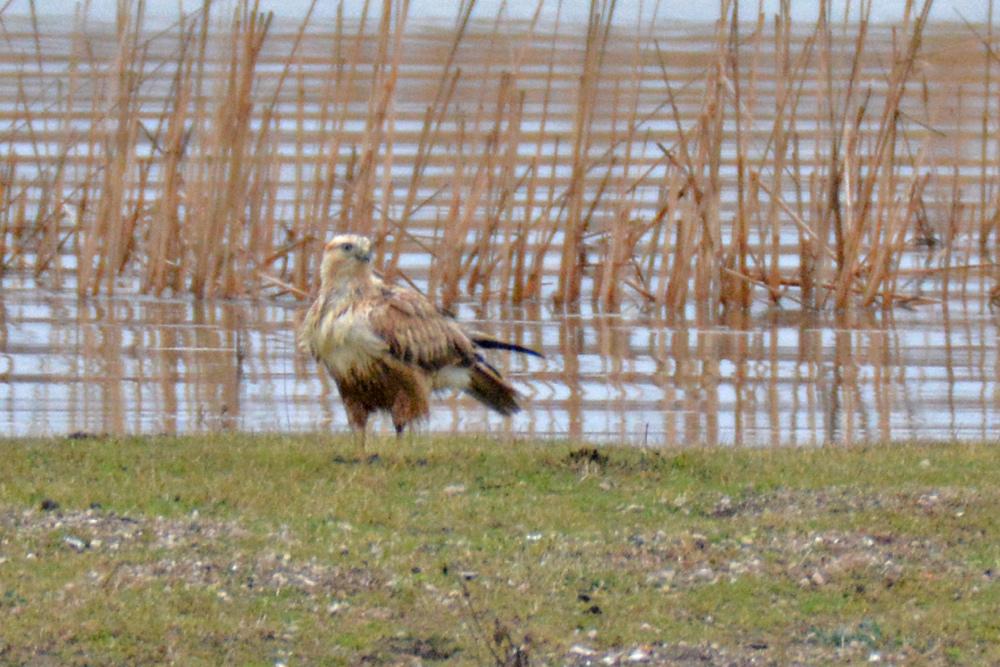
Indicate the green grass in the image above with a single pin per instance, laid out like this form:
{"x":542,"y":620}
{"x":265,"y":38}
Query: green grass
{"x":253,"y":550}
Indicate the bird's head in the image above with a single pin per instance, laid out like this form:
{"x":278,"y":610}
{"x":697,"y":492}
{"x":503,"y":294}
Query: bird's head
{"x":346,"y":257}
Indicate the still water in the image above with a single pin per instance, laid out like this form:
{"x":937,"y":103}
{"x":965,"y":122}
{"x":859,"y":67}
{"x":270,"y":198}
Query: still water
{"x":148,"y":366}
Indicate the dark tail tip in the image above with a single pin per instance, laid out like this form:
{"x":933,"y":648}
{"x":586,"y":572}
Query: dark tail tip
{"x":490,"y":343}
{"x":487,"y":387}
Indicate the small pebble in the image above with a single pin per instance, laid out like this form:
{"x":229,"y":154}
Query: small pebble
{"x":639,"y":655}
{"x":75,"y":543}
{"x":662,"y":577}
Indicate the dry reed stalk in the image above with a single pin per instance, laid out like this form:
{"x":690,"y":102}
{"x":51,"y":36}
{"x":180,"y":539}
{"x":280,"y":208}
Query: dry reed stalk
{"x":103,"y":252}
{"x":994,"y":166}
{"x":450,"y":257}
{"x":459,"y":224}
{"x":515,"y":268}
{"x":849,"y":230}
{"x":216,"y":225}
{"x":845,"y":175}
{"x":499,"y":160}
{"x":655,"y":247}
{"x":710,"y":142}
{"x":986,"y":166}
{"x":260,"y":239}
{"x":688,"y":240}
{"x":431,"y":131}
{"x":737,"y":296}
{"x":548,"y":225}
{"x":220,"y":199}
{"x":881,"y":170}
{"x":779,"y":141}
{"x":400,"y":13}
{"x":824,"y":171}
{"x":914,"y":199}
{"x":6,"y":207}
{"x":434,"y":117}
{"x":682,"y":179}
{"x":607,"y":266}
{"x":336,"y":98}
{"x":516,"y":228}
{"x":301,"y":209}
{"x":544,"y":225}
{"x":54,"y":186}
{"x":628,"y":231}
{"x":18,"y":226}
{"x":575,"y":230}
{"x":952,"y":230}
{"x":165,"y":251}
{"x":501,"y":215}
{"x":360,"y":215}
{"x":809,"y":245}
{"x":460,"y":221}
{"x":671,"y":221}
{"x":304,"y":240}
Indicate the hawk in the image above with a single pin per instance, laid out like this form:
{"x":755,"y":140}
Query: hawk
{"x":388,"y":347}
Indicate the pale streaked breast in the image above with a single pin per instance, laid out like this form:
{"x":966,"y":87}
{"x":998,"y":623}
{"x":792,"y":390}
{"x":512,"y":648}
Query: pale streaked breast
{"x":345,"y":341}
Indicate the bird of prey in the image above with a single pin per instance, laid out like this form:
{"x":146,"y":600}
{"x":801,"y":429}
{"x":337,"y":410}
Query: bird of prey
{"x":388,"y":347}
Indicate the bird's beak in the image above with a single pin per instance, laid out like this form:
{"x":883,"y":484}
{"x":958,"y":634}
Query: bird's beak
{"x":365,"y":256}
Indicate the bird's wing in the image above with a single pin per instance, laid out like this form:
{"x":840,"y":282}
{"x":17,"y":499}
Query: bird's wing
{"x":417,"y":332}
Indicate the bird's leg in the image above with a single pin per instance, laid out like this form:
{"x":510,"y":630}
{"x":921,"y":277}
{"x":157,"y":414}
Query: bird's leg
{"x":357,"y":417}
{"x":360,"y":435}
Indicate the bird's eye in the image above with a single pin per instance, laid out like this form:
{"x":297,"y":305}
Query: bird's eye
{"x":348,"y":247}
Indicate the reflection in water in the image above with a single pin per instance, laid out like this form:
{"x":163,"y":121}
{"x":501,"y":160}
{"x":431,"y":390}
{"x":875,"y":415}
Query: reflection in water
{"x":131,"y":365}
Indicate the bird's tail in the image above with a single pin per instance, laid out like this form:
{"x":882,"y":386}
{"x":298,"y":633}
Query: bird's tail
{"x":487,"y":387}
{"x":487,"y":342}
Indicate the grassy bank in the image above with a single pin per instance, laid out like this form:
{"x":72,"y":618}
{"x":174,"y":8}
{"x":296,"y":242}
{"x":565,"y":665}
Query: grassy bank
{"x":234,"y":549}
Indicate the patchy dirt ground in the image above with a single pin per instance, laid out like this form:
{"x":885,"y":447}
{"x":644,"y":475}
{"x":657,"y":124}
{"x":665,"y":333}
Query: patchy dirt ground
{"x":197,"y":554}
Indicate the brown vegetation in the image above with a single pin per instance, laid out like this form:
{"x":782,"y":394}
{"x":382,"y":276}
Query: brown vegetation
{"x":828,"y":166}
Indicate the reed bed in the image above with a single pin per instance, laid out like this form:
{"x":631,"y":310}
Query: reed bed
{"x":708,"y":167}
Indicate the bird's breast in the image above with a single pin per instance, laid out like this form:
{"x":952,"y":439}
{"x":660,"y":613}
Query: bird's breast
{"x":345,"y":342}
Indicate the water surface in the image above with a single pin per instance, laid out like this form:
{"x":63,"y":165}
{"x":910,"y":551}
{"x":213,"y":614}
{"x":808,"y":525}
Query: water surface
{"x":146,"y":366}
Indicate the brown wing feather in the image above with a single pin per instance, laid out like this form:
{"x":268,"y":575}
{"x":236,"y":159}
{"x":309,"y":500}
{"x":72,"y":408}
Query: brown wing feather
{"x":416,"y":332}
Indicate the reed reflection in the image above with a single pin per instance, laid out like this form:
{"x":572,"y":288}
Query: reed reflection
{"x":769,"y":379}
{"x":788,"y":379}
